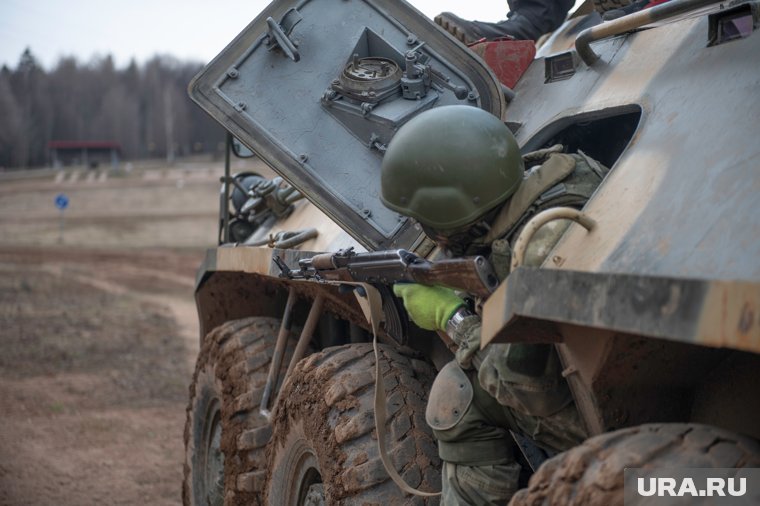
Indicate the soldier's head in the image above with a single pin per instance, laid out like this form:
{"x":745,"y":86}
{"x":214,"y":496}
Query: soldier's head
{"x":451,"y":168}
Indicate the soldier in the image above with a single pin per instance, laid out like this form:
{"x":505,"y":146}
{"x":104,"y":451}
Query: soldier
{"x":526,"y":20}
{"x":457,"y":170}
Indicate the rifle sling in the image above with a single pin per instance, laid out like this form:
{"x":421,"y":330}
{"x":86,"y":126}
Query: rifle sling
{"x":375,"y":312}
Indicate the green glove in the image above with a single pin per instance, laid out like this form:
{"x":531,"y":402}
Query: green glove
{"x":430,"y":307}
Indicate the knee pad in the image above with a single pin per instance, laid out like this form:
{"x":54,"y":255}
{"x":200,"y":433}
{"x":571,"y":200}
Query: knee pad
{"x":450,"y":398}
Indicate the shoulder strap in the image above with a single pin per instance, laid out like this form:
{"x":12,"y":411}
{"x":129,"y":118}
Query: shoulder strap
{"x":556,"y":168}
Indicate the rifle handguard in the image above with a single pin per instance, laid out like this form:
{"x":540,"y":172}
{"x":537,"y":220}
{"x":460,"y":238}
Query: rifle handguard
{"x":323,"y":261}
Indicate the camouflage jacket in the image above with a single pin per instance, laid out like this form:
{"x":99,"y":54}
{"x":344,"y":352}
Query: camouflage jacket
{"x":527,"y":377}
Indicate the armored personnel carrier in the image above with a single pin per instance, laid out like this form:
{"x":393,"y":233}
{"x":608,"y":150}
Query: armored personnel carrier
{"x":654,"y":311}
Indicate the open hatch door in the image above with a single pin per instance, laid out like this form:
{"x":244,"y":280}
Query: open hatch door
{"x":317,"y":89}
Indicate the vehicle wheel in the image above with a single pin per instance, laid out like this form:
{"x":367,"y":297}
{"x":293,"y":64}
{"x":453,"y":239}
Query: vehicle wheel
{"x":592,"y":473}
{"x":325,"y":448}
{"x":601,"y":6}
{"x":225,"y":435}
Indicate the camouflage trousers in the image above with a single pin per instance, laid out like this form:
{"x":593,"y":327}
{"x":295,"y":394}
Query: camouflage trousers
{"x":479,"y":484}
{"x":479,"y":452}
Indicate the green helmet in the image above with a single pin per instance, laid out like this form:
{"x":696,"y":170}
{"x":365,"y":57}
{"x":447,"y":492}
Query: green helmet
{"x":450,"y":165}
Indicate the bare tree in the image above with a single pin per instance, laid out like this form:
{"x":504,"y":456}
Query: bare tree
{"x":11,"y":124}
{"x":145,"y":109}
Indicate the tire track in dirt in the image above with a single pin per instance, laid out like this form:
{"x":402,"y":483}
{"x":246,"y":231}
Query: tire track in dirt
{"x":97,"y":351}
{"x":181,"y":309}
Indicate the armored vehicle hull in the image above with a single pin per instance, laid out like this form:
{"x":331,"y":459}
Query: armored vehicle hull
{"x":654,"y":311}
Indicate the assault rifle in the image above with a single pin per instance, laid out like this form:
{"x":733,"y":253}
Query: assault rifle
{"x":470,"y":274}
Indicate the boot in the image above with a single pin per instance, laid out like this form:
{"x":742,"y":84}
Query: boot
{"x":516,"y":26}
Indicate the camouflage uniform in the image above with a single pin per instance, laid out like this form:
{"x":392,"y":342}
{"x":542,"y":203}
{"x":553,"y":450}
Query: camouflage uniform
{"x":518,"y":387}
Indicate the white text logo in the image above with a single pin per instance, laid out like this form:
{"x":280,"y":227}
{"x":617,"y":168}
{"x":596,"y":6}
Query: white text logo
{"x":663,"y":487}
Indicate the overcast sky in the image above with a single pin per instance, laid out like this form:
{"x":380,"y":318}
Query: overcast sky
{"x":187,"y":29}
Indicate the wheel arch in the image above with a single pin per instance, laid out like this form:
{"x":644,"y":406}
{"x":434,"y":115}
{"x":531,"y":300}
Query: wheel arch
{"x":231,"y":295}
{"x":240,"y":282}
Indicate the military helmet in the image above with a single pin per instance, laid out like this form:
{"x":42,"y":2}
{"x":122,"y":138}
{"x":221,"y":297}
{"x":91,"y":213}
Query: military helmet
{"x":450,"y":165}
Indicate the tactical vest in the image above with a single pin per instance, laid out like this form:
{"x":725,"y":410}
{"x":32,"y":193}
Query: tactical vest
{"x":561,"y":180}
{"x":528,"y":377}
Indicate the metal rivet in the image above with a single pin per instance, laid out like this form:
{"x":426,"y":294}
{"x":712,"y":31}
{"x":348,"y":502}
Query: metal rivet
{"x":233,"y":73}
{"x":303,"y":157}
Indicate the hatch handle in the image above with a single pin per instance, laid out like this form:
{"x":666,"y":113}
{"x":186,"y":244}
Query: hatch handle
{"x":541,"y":219}
{"x":278,"y":33}
{"x":632,"y":22}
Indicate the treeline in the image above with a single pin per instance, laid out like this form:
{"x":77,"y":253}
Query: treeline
{"x":144,"y":108}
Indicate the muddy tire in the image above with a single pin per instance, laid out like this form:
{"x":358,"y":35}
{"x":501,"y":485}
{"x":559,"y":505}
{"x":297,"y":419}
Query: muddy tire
{"x":325,"y":447}
{"x":225,"y":436}
{"x":592,"y":473}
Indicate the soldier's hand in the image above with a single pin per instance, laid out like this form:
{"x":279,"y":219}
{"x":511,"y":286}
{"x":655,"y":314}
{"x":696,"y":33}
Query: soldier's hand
{"x":430,"y":307}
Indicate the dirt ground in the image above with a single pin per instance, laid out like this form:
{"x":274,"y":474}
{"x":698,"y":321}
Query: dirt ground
{"x":98,"y":331}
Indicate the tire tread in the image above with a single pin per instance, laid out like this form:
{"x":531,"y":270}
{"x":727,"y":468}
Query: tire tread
{"x":345,"y":402}
{"x":592,"y":473}
{"x":237,"y":355}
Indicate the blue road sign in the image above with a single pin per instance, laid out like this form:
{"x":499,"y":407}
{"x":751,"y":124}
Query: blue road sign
{"x":61,"y":201}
